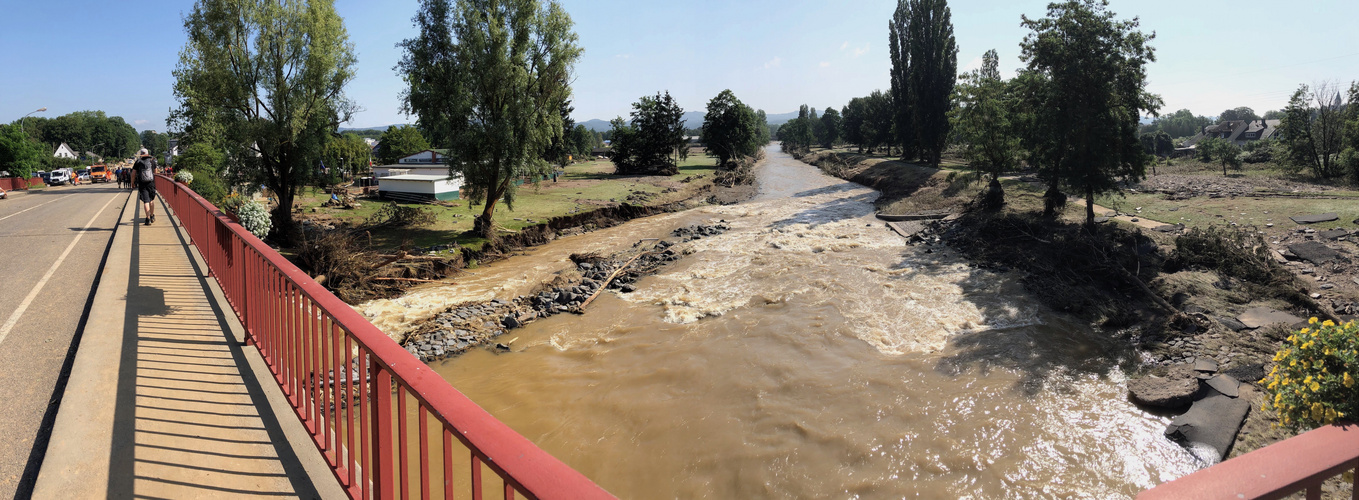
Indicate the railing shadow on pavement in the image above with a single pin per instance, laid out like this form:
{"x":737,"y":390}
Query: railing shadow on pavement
{"x":188,"y":419}
{"x":366,"y":402}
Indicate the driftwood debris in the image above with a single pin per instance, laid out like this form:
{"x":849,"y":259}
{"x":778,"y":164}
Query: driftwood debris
{"x":606,"y":282}
{"x":413,"y":280}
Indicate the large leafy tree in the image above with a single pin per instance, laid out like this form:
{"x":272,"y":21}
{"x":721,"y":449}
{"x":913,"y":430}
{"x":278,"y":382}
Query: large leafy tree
{"x":828,"y":134}
{"x":1220,"y":150}
{"x":1313,"y":128}
{"x":347,"y":153}
{"x":583,"y":141}
{"x":20,"y":155}
{"x":155,"y":143}
{"x":560,"y":150}
{"x":798,"y":133}
{"x":653,"y":140}
{"x":399,"y":142}
{"x":983,"y":121}
{"x":731,"y":129}
{"x":1094,"y":70}
{"x":878,"y":120}
{"x":1182,"y":123}
{"x":852,"y":122}
{"x":270,"y":76}
{"x":488,"y":79}
{"x":1240,"y":113}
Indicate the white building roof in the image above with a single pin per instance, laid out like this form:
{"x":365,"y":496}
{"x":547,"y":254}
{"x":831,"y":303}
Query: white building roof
{"x":414,"y":177}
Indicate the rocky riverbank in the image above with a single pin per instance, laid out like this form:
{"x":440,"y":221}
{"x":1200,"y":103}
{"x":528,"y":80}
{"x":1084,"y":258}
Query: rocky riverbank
{"x":1204,"y":311}
{"x":469,"y":325}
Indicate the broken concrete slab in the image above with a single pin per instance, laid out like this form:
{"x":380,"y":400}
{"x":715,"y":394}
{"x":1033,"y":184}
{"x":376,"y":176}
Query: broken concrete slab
{"x":1333,"y":234}
{"x":1311,"y":219}
{"x":1225,"y":384}
{"x":1257,"y":317}
{"x":1313,"y":251}
{"x":1212,"y":422}
{"x":1205,"y":365}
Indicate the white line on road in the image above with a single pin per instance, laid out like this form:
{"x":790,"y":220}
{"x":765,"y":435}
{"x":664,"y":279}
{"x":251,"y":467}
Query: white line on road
{"x":31,"y":208}
{"x":23,"y":306}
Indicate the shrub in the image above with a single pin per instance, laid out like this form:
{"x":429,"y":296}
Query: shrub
{"x":396,"y":215}
{"x":184,"y":177}
{"x":254,"y":217}
{"x":1313,"y":383}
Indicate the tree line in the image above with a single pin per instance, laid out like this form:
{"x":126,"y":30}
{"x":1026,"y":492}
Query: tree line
{"x":27,"y":145}
{"x":1072,"y":112}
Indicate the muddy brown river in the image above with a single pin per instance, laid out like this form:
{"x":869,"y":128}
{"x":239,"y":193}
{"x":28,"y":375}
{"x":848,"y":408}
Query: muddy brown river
{"x":807,"y":353}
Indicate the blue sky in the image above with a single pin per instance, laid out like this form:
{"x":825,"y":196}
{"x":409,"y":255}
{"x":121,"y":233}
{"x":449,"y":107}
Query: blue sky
{"x":775,"y":55}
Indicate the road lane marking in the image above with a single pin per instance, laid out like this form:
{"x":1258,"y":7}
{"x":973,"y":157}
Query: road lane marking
{"x":31,"y":208}
{"x":23,"y":306}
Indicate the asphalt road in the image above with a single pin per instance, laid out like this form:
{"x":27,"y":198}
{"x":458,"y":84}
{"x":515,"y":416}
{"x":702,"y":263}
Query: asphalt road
{"x":52,"y":242}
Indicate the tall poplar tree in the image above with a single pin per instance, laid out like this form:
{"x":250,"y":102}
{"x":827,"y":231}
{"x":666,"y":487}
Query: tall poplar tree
{"x":899,"y":45}
{"x":933,"y":71}
{"x":488,"y":78}
{"x":1089,"y":70}
{"x":270,"y":76}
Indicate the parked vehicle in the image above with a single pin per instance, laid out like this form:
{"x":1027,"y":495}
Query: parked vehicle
{"x":100,"y":173}
{"x":46,"y":177}
{"x":60,"y":177}
{"x":84,"y":174}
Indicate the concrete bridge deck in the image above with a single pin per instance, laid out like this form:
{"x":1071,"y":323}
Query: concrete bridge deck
{"x":164,"y":399}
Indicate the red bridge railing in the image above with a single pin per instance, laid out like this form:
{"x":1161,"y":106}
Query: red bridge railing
{"x":367,"y":403}
{"x":1300,"y":463}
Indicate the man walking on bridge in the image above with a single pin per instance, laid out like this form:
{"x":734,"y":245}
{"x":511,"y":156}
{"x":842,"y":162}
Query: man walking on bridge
{"x":144,"y":178}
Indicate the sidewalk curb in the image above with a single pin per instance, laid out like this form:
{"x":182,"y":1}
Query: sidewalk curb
{"x":76,"y":464}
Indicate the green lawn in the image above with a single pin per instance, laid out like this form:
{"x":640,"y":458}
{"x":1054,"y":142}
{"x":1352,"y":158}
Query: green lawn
{"x":585,"y":187}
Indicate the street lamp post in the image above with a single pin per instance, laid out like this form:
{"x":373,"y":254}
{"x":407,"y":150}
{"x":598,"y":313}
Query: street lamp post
{"x":21,"y":120}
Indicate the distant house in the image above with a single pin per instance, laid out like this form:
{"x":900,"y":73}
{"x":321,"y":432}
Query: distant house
{"x":64,"y":151}
{"x":1237,"y":132}
{"x":426,"y":157}
{"x":601,"y":151}
{"x":419,"y":188}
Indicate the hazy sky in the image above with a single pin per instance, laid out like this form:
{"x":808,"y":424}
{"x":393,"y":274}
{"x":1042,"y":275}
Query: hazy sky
{"x":775,"y":55}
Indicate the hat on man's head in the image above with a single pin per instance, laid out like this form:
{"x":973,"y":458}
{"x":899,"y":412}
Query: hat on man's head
{"x":143,"y":152}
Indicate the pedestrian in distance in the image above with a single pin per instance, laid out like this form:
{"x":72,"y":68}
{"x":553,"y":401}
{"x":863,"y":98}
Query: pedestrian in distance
{"x":144,"y":177}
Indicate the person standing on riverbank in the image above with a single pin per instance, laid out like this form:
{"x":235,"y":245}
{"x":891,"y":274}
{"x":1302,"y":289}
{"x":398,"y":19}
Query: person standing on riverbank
{"x":144,"y":178}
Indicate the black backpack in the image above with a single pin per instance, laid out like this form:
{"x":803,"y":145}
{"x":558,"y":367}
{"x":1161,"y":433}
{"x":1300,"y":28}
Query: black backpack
{"x":146,"y":170}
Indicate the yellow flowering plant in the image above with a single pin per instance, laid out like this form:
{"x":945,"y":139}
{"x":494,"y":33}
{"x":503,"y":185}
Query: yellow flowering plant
{"x":1315,"y":379}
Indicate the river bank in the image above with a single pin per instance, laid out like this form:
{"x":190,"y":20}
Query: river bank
{"x":807,"y":351}
{"x":1184,"y":298}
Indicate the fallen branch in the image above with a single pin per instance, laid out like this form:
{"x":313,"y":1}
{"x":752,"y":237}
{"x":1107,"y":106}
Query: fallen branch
{"x":606,"y":282}
{"x":413,"y":280}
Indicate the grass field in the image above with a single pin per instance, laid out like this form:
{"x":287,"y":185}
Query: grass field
{"x":584,"y":187}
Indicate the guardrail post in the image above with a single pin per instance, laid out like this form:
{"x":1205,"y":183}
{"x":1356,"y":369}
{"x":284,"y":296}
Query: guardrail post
{"x":380,"y":385}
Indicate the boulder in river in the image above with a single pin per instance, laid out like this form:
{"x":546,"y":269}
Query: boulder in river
{"x":1174,"y":390}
